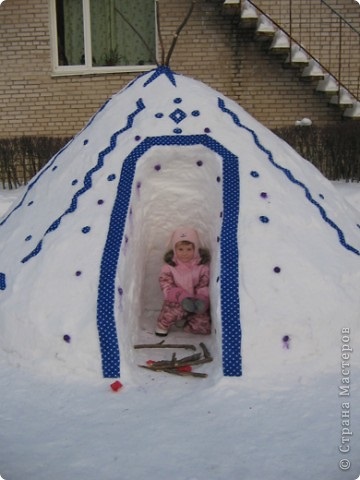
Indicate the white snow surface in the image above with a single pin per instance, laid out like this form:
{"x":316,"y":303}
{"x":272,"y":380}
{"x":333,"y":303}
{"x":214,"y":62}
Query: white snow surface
{"x":284,"y":417}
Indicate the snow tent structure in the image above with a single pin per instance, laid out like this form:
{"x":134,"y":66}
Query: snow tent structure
{"x":81,"y":250}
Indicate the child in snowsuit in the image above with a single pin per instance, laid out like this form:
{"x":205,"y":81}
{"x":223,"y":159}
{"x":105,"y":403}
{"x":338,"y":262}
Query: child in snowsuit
{"x":184,"y":281}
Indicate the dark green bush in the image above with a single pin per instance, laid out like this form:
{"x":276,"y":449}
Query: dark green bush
{"x":22,"y":157}
{"x":334,"y":150}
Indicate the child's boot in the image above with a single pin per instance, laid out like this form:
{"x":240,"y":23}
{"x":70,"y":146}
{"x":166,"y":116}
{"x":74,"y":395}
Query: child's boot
{"x":161,"y":332}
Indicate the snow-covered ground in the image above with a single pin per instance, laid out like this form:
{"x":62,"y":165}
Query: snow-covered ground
{"x":64,"y":427}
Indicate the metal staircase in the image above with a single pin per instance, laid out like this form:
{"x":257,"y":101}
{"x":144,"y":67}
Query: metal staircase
{"x":331,"y":61}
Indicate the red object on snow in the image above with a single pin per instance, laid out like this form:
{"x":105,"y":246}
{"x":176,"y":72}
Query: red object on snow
{"x":150,"y":362}
{"x":116,"y":386}
{"x":185,"y":368}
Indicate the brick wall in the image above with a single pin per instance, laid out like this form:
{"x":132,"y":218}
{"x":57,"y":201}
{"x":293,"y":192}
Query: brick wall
{"x":212,"y":48}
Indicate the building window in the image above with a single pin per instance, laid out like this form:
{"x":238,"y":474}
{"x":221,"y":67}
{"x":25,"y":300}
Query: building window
{"x":103,"y":35}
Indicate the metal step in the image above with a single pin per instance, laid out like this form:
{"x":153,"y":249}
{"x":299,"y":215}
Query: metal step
{"x":280,"y":43}
{"x":297,"y":57}
{"x":249,"y":16}
{"x":353,"y":112}
{"x":343,"y":99}
{"x":328,"y":85}
{"x":312,"y":71}
{"x":265,"y":29}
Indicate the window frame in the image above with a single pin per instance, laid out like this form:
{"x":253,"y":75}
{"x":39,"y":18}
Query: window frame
{"x":87,"y":68}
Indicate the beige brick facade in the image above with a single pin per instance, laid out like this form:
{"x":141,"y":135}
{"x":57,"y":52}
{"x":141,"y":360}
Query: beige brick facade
{"x":213,"y":48}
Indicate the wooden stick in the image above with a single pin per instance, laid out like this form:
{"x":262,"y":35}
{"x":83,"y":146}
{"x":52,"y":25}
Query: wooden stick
{"x":163,"y":364}
{"x":205,"y":351}
{"x":161,"y":344}
{"x":176,"y":372}
{"x":186,"y":374}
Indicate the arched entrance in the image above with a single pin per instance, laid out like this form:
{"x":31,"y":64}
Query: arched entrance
{"x":229,"y":255}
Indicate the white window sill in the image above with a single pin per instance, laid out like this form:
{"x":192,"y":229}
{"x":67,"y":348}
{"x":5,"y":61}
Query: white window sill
{"x":83,"y":70}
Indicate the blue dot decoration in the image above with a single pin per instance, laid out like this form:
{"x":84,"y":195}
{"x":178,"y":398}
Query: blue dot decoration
{"x":67,"y":338}
{"x":207,"y":130}
{"x":177,"y":100}
{"x":321,"y":196}
{"x":255,"y":174}
{"x":264,"y":195}
{"x":86,"y":229}
{"x":138,"y":138}
{"x":85,"y":142}
{"x":199,"y":163}
{"x":264,"y":219}
{"x":54,"y":168}
{"x":157,"y":167}
{"x":195,"y":113}
{"x":30,"y":203}
{"x":78,"y":273}
{"x":100,"y":201}
{"x":177,"y":131}
{"x":277,"y":269}
{"x":111,"y":177}
{"x":74,"y":182}
{"x":159,"y":115}
{"x":2,"y":281}
{"x":28,"y":238}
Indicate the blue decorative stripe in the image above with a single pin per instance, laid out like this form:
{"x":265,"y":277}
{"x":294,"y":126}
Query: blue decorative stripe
{"x":291,"y":177}
{"x":229,"y":291}
{"x":88,"y":179}
{"x":2,"y":281}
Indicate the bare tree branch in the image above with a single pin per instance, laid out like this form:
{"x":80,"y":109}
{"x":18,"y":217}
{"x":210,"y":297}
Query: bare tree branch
{"x":153,"y":56}
{"x":177,"y":33}
{"x":159,"y":32}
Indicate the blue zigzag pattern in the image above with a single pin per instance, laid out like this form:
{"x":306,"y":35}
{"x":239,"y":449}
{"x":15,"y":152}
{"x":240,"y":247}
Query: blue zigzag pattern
{"x":88,"y":179}
{"x":291,"y":177}
{"x":50,"y":164}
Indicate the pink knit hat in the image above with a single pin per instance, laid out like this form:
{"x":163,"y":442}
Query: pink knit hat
{"x":187,"y":234}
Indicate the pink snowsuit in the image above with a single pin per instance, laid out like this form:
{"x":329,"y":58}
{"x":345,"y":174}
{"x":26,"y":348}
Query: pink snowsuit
{"x":185,"y":280}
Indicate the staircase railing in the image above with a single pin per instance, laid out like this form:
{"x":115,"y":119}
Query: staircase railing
{"x":323,"y":33}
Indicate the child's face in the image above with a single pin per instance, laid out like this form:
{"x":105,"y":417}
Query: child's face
{"x":185,"y":251}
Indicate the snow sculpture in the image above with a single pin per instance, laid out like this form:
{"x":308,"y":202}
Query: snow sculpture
{"x":164,"y":150}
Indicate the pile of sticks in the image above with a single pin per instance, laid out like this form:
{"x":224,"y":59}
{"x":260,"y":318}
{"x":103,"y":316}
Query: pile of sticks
{"x":178,"y":366}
